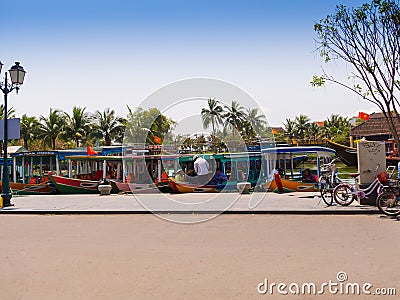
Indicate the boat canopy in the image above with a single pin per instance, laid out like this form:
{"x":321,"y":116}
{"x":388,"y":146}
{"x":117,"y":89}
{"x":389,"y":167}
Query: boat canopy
{"x":111,"y":150}
{"x":34,"y":153}
{"x":320,"y":151}
{"x":94,"y":157}
{"x":62,"y":154}
{"x":272,"y":155}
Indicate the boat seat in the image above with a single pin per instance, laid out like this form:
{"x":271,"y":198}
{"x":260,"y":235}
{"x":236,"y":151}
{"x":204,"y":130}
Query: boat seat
{"x":98,"y":175}
{"x":354,"y":175}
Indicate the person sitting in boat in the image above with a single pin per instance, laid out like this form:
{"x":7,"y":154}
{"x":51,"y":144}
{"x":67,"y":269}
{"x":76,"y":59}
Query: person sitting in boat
{"x":218,"y":177}
{"x":308,"y":177}
{"x":180,"y":176}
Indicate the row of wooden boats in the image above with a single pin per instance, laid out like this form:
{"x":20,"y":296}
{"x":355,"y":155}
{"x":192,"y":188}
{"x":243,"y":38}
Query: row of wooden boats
{"x":76,"y":172}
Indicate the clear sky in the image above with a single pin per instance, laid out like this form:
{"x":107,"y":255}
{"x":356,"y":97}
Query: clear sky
{"x":101,"y":54}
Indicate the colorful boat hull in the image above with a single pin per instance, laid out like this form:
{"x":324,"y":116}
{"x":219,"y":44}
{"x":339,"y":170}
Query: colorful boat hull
{"x":32,"y":189}
{"x":182,"y":187}
{"x":74,"y":186}
{"x":289,"y":186}
{"x":348,"y":155}
{"x":137,"y":188}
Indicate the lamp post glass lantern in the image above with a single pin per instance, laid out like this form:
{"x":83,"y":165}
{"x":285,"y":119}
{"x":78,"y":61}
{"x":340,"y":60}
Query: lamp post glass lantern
{"x":17,"y":76}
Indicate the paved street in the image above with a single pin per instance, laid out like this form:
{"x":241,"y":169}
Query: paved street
{"x":144,"y":257}
{"x":231,"y":202}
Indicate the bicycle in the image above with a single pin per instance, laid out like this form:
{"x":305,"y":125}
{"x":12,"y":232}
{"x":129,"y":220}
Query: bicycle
{"x":344,"y":194}
{"x":388,"y":202}
{"x":327,"y":182}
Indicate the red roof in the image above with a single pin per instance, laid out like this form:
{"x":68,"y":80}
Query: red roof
{"x":375,"y":126}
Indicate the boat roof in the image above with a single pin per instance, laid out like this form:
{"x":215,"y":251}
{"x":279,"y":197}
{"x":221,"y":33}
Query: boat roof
{"x":34,"y":153}
{"x":301,"y":149}
{"x":94,"y":157}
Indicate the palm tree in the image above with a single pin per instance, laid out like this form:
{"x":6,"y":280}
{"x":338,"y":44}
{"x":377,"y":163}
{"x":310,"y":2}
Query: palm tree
{"x":212,"y":115}
{"x":109,"y":126}
{"x":289,"y":130}
{"x":256,"y":121}
{"x":234,"y":116}
{"x":52,"y":127}
{"x":313,"y":131}
{"x":10,"y":112}
{"x":77,"y":125}
{"x":302,"y":123}
{"x":335,"y":125}
{"x":29,"y":129}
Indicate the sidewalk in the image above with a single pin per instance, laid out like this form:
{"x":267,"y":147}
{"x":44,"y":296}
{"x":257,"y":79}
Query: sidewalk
{"x":257,"y":203}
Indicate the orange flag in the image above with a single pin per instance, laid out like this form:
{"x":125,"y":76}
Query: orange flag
{"x":90,"y":151}
{"x":157,"y":139}
{"x":363,"y":115}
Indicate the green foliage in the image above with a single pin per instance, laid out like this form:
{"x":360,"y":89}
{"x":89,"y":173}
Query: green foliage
{"x":30,"y":129}
{"x":143,"y":125}
{"x":51,"y":127}
{"x":234,"y":116}
{"x":317,"y":81}
{"x":213,"y":115}
{"x":108,"y":126}
{"x":304,"y":131}
{"x":78,"y":125}
{"x":367,"y":39}
{"x":236,"y":120}
{"x":10,"y":112}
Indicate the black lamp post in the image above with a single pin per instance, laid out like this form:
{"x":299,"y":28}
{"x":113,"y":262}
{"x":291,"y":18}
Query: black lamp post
{"x":17,"y":75}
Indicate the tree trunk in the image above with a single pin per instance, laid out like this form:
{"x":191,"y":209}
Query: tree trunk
{"x":214,"y":145}
{"x":26,"y":146}
{"x":392,"y":126}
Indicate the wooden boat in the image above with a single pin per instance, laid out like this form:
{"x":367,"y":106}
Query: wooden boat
{"x":30,"y":168}
{"x":73,"y":185}
{"x":290,"y":182}
{"x":185,"y":187}
{"x":136,"y":188}
{"x":348,"y":155}
{"x":32,"y":189}
{"x":172,"y":183}
{"x":282,"y":185}
{"x":89,"y":171}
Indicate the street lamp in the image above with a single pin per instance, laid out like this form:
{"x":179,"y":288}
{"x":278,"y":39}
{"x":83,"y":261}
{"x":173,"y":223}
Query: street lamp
{"x":17,"y":75}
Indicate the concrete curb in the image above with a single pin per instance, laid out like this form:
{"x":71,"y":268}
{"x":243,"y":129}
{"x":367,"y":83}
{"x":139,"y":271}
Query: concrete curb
{"x":235,"y":212}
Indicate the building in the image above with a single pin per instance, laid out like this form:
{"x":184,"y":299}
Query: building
{"x":373,"y":129}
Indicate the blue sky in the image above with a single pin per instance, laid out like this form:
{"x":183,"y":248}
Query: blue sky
{"x":103,"y":54}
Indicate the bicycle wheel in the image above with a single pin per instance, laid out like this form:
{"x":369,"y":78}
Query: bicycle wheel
{"x":343,"y":195}
{"x":388,"y":203}
{"x":325,"y":191}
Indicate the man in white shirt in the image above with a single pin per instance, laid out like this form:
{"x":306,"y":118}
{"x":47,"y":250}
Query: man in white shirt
{"x":201,"y":168}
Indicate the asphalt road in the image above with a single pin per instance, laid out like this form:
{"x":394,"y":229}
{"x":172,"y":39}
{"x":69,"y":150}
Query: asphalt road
{"x":145,"y":257}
